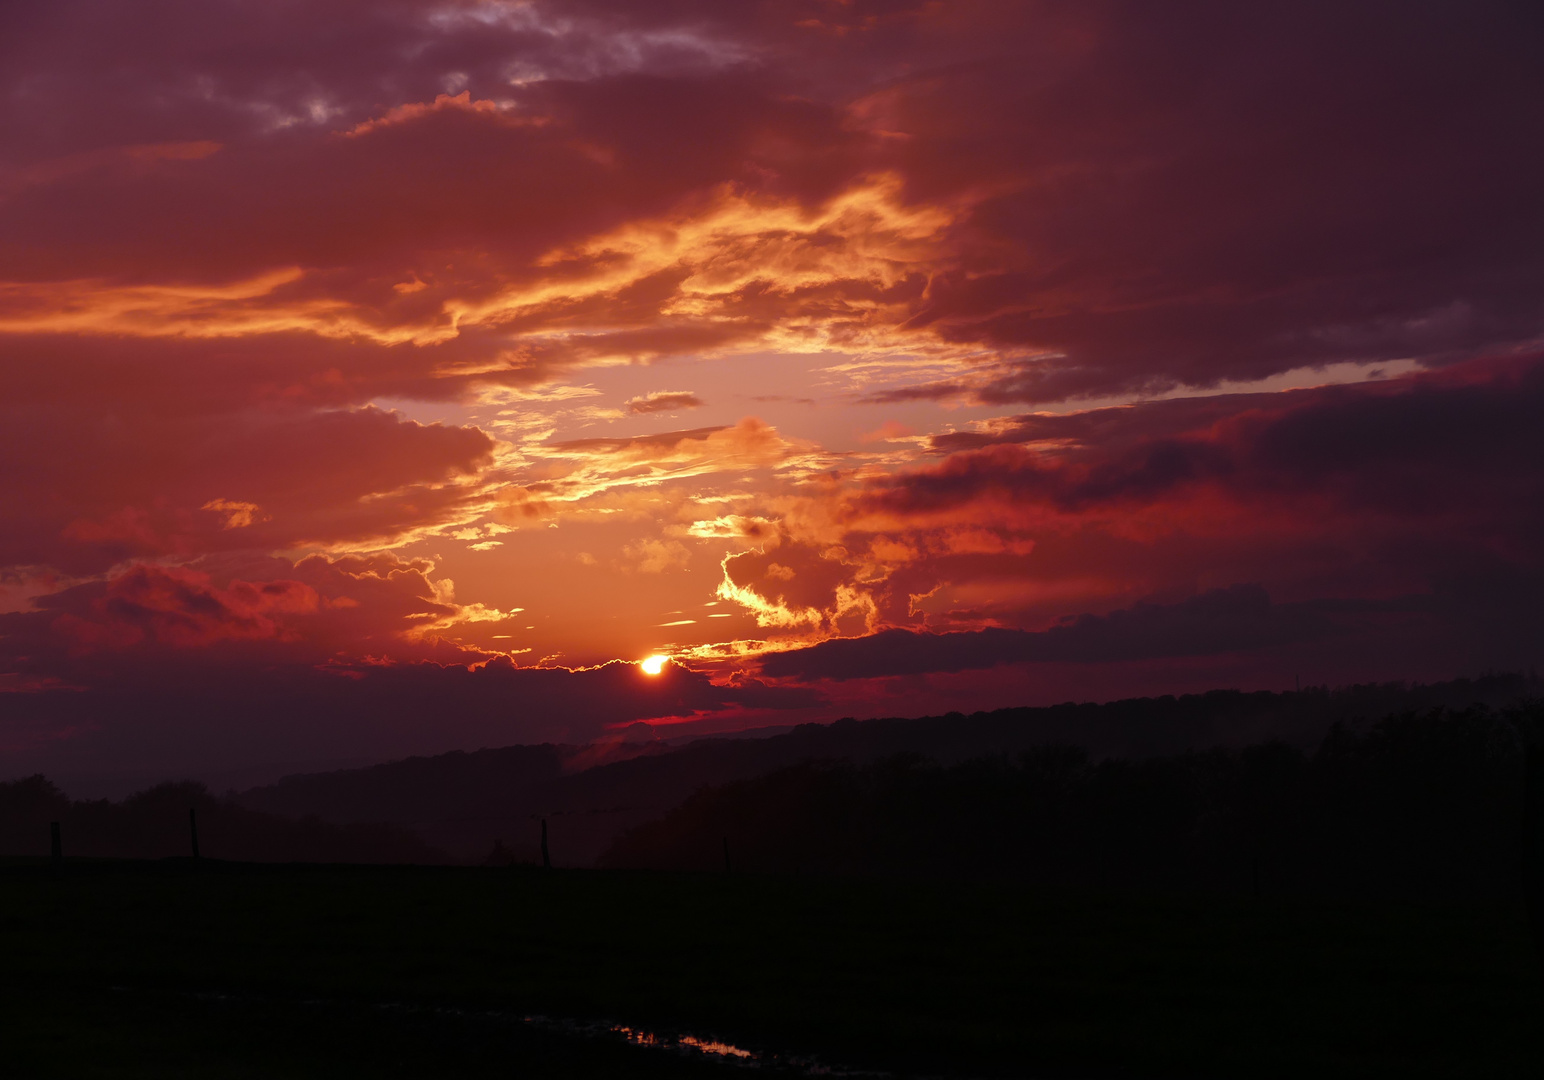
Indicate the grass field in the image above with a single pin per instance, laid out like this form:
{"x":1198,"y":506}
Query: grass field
{"x":128,"y":969}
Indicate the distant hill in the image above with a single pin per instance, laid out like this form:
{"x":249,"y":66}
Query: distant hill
{"x":154,"y":824}
{"x":466,"y":802}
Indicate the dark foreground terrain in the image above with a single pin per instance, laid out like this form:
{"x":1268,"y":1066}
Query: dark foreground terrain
{"x":168,"y":969}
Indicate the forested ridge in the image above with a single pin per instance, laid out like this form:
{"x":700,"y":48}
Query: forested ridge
{"x":1418,"y":804}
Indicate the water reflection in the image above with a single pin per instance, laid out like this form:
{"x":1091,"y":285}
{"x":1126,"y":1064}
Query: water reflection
{"x":695,"y":1045}
{"x":639,"y":1037}
{"x":708,"y":1046}
{"x":666,"y":1042}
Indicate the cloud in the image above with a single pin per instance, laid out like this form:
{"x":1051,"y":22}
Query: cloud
{"x":651,"y":556}
{"x":249,"y":609}
{"x":561,"y":261}
{"x":738,"y":527}
{"x":1420,"y":446}
{"x":404,"y":114}
{"x":798,"y":587}
{"x":176,"y":606}
{"x":1355,"y":492}
{"x":238,"y":515}
{"x":1131,"y":211}
{"x":664,"y":401}
{"x":88,"y":495}
{"x":582,"y":469}
{"x":666,"y":446}
{"x":1235,"y":619}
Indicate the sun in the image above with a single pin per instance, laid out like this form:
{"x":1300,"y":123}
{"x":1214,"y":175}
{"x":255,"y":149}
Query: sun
{"x":654,"y":664}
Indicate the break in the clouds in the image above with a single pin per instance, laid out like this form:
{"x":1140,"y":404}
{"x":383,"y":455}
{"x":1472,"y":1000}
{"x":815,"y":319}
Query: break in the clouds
{"x":1065,"y":349}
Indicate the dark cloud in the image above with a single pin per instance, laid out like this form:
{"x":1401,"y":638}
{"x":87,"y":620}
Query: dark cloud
{"x":1356,"y":493}
{"x":232,"y":609}
{"x":1229,"y":620}
{"x":180,"y":607}
{"x":1205,"y":208}
{"x":1462,"y":442}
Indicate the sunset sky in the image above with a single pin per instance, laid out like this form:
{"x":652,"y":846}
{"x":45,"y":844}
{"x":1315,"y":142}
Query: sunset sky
{"x":392,"y":377}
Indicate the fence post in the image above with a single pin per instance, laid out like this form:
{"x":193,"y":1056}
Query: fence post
{"x":58,"y":844}
{"x":193,"y":829}
{"x":546,"y":860}
{"x":726,"y":855}
{"x":1533,"y":843}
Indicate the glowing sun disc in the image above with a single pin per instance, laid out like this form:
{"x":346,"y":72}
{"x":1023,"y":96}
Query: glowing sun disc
{"x":654,"y":664}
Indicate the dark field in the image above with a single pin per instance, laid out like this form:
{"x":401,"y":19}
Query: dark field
{"x":125,"y":969}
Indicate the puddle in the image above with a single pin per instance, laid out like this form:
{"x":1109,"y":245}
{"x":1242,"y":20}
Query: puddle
{"x":699,"y":1046}
{"x":639,"y":1037}
{"x":710,"y":1047}
{"x":682,"y":1043}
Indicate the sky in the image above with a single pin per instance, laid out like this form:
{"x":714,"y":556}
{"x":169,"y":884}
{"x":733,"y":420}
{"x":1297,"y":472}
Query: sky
{"x":394,"y":377}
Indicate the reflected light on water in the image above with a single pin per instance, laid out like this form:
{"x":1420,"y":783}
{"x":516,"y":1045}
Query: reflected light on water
{"x":707,"y":1046}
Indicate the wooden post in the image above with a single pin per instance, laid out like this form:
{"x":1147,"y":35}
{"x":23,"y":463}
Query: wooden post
{"x":1533,"y":843}
{"x":58,"y":844}
{"x":546,"y":860}
{"x":726,"y":854}
{"x":193,"y":829}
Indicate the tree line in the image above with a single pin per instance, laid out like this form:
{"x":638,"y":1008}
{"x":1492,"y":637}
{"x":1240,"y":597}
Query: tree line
{"x":1420,"y":804}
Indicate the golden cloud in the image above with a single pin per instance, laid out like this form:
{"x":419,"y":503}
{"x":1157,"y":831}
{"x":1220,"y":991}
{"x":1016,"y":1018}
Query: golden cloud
{"x":736,"y":527}
{"x":238,"y":515}
{"x":581,"y":469}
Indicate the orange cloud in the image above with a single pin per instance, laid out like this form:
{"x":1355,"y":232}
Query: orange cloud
{"x":238,"y":515}
{"x":745,"y":271}
{"x":664,"y":401}
{"x":277,"y":301}
{"x":800,"y":279}
{"x":800,"y":589}
{"x":737,"y":526}
{"x":403,"y":114}
{"x":581,"y":469}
